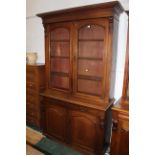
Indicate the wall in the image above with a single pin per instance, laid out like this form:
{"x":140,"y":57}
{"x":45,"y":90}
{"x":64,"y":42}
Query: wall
{"x":119,"y":51}
{"x":35,"y":32}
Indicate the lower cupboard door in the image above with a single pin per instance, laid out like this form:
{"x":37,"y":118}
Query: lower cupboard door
{"x":55,"y":118}
{"x":85,"y":133}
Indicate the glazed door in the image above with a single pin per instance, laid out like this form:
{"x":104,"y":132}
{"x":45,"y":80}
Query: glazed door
{"x":55,"y":121}
{"x":90,"y":57}
{"x":84,"y":131}
{"x":60,"y":57}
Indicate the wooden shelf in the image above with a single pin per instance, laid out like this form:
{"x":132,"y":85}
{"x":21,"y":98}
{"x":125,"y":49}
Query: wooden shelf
{"x":87,"y":77}
{"x":63,"y":57}
{"x":89,"y":58}
{"x":94,"y":94}
{"x":60,"y":40}
{"x":60,"y":74}
{"x":91,"y":40}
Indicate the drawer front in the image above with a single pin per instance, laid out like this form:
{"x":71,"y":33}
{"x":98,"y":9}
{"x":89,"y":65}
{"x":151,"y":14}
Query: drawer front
{"x":87,"y":110}
{"x":72,"y":106}
{"x":30,"y":74}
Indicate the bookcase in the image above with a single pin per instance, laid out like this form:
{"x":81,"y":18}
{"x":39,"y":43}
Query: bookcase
{"x":76,"y":106}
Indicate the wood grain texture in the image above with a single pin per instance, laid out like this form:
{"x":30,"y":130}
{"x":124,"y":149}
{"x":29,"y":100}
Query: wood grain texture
{"x":35,"y":83}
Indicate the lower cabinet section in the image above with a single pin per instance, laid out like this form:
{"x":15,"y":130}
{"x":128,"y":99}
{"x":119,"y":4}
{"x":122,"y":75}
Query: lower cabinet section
{"x":79,"y":127}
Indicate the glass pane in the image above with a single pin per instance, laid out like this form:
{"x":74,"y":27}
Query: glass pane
{"x":60,"y":81}
{"x":91,"y":32}
{"x":89,"y":87}
{"x":60,"y":34}
{"x":90,"y":59}
{"x":60,"y":49}
{"x":60,"y":65}
{"x":93,"y":47}
{"x":60,"y":58}
{"x":90,"y":67}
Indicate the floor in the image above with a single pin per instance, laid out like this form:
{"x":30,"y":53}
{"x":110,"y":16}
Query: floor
{"x":31,"y":151}
{"x":32,"y":137}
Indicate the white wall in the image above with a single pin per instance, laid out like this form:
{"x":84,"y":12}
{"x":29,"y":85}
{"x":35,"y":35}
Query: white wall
{"x":35,"y":31}
{"x":35,"y":37}
{"x":39,"y":6}
{"x":119,"y":52}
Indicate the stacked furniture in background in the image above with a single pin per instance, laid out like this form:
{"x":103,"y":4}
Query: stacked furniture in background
{"x":35,"y":83}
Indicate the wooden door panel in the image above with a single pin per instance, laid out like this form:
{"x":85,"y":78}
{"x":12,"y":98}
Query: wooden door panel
{"x":83,"y":130}
{"x":56,"y":121}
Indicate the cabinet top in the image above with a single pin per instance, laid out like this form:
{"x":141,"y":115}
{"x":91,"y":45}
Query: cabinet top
{"x":90,"y":11}
{"x":78,"y":101}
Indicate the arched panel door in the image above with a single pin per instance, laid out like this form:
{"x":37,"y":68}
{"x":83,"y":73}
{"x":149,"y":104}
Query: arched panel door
{"x":55,"y":122}
{"x":90,"y":56}
{"x":83,"y":130}
{"x":59,"y":56}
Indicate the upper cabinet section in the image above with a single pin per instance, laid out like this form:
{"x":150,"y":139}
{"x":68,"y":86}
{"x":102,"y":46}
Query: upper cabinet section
{"x":78,"y":51}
